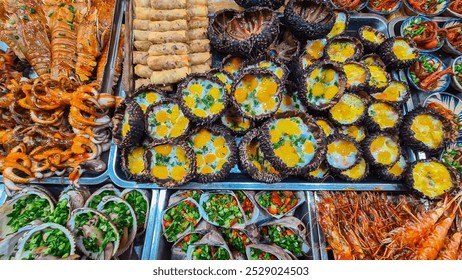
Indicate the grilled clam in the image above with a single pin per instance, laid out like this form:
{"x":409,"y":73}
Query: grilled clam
{"x":97,"y":196}
{"x":342,"y":152}
{"x":246,"y":33}
{"x":382,"y":149}
{"x":343,"y":48}
{"x":371,"y":38}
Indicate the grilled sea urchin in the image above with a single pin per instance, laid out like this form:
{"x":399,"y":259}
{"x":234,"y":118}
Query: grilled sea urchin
{"x":380,"y":79}
{"x":371,"y":38}
{"x":202,"y":97}
{"x":425,"y":130}
{"x":128,"y":124}
{"x":342,"y":18}
{"x":231,"y":64}
{"x":246,"y":33}
{"x":343,"y":48}
{"x":133,"y":162}
{"x":293,"y":143}
{"x":431,"y":178}
{"x":342,"y":152}
{"x":357,"y":132}
{"x":326,"y":126}
{"x":396,"y":171}
{"x":397,"y":92}
{"x":147,"y":95}
{"x":216,"y":153}
{"x":170,"y":165}
{"x":311,"y":19}
{"x":382,"y":149}
{"x":357,"y":173}
{"x":357,"y":74}
{"x":252,"y":160}
{"x":286,"y":47}
{"x":383,"y":116}
{"x":319,"y":174}
{"x":398,"y":52}
{"x":349,"y":110}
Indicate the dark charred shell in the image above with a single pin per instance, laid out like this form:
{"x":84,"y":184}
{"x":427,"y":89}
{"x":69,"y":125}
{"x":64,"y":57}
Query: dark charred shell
{"x":169,"y":182}
{"x":342,"y":18}
{"x":235,"y":122}
{"x":290,"y":100}
{"x":408,"y":136}
{"x":357,"y":173}
{"x":350,"y":79}
{"x":385,"y":50}
{"x":310,"y":56}
{"x":272,"y":4}
{"x":370,"y":46}
{"x":125,"y":164}
{"x":128,"y":124}
{"x":336,"y":113}
{"x":209,"y":115}
{"x":358,"y":136}
{"x":371,"y":123}
{"x":286,"y":47}
{"x":373,"y":59}
{"x":313,"y":128}
{"x":147,"y":95}
{"x":304,"y":95}
{"x":246,"y":165}
{"x":358,"y":47}
{"x":340,"y":137}
{"x":312,"y":19}
{"x":435,"y":194}
{"x":224,"y":77}
{"x":152,"y":122}
{"x":232,"y":64}
{"x":390,"y":173}
{"x":327,"y":127}
{"x":393,"y":93}
{"x":375,"y":87}
{"x":265,"y":62}
{"x":320,"y":174}
{"x":247,"y":33}
{"x":258,"y":73}
{"x":231,"y":160}
{"x":367,"y":144}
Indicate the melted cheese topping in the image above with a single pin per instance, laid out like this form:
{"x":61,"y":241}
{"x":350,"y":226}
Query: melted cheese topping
{"x":402,"y":50}
{"x":379,"y":77}
{"x":321,"y":172}
{"x":384,"y":150}
{"x":232,"y":120}
{"x":341,"y":51}
{"x":348,"y":110}
{"x":226,"y":80}
{"x":211,"y":150}
{"x":356,"y":171}
{"x":292,"y":141}
{"x":339,"y":25}
{"x":431,"y":178}
{"x":125,"y":125}
{"x":268,"y":65}
{"x":383,"y":114}
{"x":356,"y":132}
{"x":398,"y":168}
{"x":167,"y":121}
{"x":313,"y":52}
{"x":395,"y":92}
{"x":136,"y":160}
{"x":341,"y":154}
{"x":169,"y":162}
{"x":204,"y":97}
{"x":233,"y":64}
{"x":322,"y":86}
{"x":326,"y":127}
{"x":147,"y":98}
{"x":355,"y":73}
{"x":257,"y":158}
{"x":371,"y":36}
{"x":257,"y":95}
{"x":428,"y":130}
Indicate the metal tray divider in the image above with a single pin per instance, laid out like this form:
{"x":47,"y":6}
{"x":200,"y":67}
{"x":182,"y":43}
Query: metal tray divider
{"x":2,"y":194}
{"x":148,"y":234}
{"x":157,"y":225}
{"x":314,"y":232}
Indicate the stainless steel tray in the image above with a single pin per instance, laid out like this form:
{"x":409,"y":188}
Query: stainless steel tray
{"x":95,"y":178}
{"x":161,"y":249}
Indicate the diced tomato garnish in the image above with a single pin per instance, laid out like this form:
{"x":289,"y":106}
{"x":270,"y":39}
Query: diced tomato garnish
{"x":275,"y":199}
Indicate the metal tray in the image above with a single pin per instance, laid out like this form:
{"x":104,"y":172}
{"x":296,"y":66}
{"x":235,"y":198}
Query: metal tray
{"x":94,"y":178}
{"x":141,"y":247}
{"x":161,"y":249}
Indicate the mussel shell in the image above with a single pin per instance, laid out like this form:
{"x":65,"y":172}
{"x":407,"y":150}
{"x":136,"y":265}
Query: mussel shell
{"x":22,"y":251}
{"x":354,"y":121}
{"x":408,"y":136}
{"x":107,"y":187}
{"x":248,"y":167}
{"x":410,"y":183}
{"x":209,"y":116}
{"x":361,"y":168}
{"x":128,"y":113}
{"x":79,"y":239}
{"x":367,"y":149}
{"x":272,"y":4}
{"x":386,"y":174}
{"x":131,"y":231}
{"x":280,"y":165}
{"x":142,"y":224}
{"x":370,"y":46}
{"x":386,"y":94}
{"x":372,"y":125}
{"x":341,"y":137}
{"x":231,"y":160}
{"x":358,"y":46}
{"x":170,"y":182}
{"x":226,"y":39}
{"x":321,"y":18}
{"x":212,"y":238}
{"x":385,"y":50}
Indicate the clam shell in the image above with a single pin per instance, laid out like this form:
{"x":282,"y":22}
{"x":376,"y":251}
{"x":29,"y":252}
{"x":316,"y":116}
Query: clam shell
{"x":132,"y":230}
{"x":205,"y":197}
{"x":9,"y":245}
{"x":79,"y":239}
{"x":301,"y":199}
{"x":186,"y":231}
{"x":22,"y":251}
{"x":212,"y":238}
{"x":142,"y":224}
{"x":39,"y":188}
{"x":273,"y":249}
{"x":107,"y":187}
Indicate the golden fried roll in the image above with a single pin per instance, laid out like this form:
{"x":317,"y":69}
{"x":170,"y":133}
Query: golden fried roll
{"x":141,"y":35}
{"x":169,"y":76}
{"x":168,"y":37}
{"x":142,"y":82}
{"x":142,"y":45}
{"x":198,"y":2}
{"x":140,"y":57}
{"x":200,"y":68}
{"x":168,"y":48}
{"x":218,"y":5}
{"x":201,"y":11}
{"x":200,"y":46}
{"x":197,"y":34}
{"x":199,"y":58}
{"x":143,"y":71}
{"x":159,"y":15}
{"x":160,"y":26}
{"x":168,"y":4}
{"x":198,"y":22}
{"x":143,"y":3}
{"x":167,"y":62}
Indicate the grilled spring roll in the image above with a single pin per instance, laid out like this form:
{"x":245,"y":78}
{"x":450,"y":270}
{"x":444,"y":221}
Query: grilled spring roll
{"x":157,"y":15}
{"x":168,"y":49}
{"x":142,"y":45}
{"x":167,"y":62}
{"x":198,"y":22}
{"x":197,"y":34}
{"x":140,"y":57}
{"x":199,"y":58}
{"x":161,"y":37}
{"x":168,"y":4}
{"x":200,"y":68}
{"x":143,"y":71}
{"x":160,"y":26}
{"x":198,"y":11}
{"x":143,"y":3}
{"x":200,"y":46}
{"x":169,"y":76}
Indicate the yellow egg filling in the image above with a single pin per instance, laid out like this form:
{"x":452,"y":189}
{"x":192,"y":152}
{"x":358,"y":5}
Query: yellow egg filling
{"x":428,"y":130}
{"x":355,"y":74}
{"x":384,"y":115}
{"x":372,"y":37}
{"x":169,"y":162}
{"x":341,"y":51}
{"x":402,"y":50}
{"x":384,"y":150}
{"x":356,"y":171}
{"x":136,"y":160}
{"x":431,"y":178}
{"x":348,"y":110}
